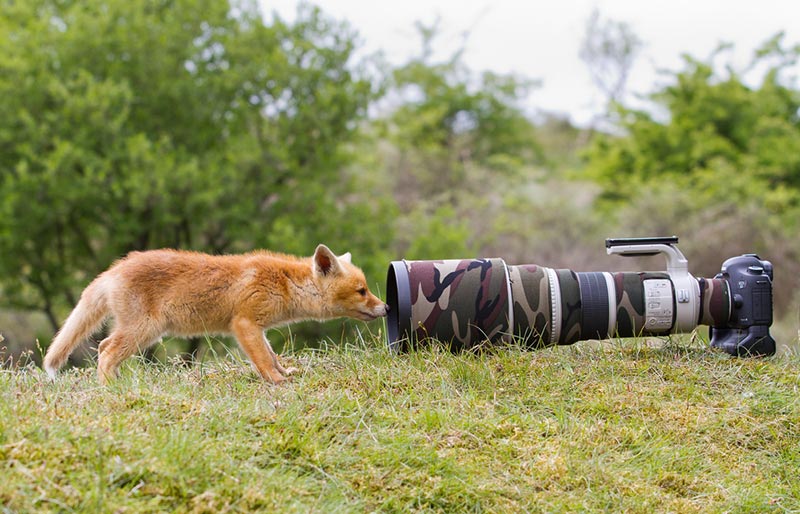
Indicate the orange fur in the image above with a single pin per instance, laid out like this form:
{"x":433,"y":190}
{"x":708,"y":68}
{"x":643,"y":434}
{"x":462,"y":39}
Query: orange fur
{"x":150,"y":294}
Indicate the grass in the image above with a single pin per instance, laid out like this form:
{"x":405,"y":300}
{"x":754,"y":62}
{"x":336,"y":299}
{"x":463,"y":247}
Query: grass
{"x":628,"y":426}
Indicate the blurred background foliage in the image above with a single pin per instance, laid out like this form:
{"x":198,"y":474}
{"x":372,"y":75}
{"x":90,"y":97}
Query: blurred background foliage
{"x":203,"y":124}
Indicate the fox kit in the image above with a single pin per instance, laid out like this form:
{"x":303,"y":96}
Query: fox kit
{"x":153,"y":293}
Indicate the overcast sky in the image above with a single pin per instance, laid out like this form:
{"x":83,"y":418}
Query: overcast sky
{"x":541,"y":39}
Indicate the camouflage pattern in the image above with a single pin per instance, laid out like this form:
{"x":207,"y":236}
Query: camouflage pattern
{"x":530,"y":291}
{"x":461,"y":302}
{"x":571,"y":313}
{"x":467,"y":302}
{"x":714,"y":302}
{"x":630,"y":301}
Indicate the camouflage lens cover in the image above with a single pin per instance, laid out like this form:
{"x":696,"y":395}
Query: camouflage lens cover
{"x":630,"y":301}
{"x":460,"y":302}
{"x":571,"y":312}
{"x":715,"y":302}
{"x":530,"y":291}
{"x":465,"y":302}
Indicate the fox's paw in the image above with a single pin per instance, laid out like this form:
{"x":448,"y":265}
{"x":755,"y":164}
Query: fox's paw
{"x":291,"y":371}
{"x":279,"y":380}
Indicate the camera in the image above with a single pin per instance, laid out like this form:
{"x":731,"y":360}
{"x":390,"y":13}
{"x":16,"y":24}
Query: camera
{"x":469,"y":302}
{"x":749,"y":279}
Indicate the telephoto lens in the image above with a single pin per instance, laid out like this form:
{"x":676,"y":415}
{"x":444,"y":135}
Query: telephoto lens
{"x":464,"y":303}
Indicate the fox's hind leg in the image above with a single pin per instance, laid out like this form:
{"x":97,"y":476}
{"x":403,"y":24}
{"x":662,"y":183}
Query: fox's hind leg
{"x":121,"y":344}
{"x":251,"y":338}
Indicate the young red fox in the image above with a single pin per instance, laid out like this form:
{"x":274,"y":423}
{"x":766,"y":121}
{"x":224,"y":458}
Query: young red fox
{"x":159,"y":292}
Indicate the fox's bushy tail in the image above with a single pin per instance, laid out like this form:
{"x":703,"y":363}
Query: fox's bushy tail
{"x":85,"y":318}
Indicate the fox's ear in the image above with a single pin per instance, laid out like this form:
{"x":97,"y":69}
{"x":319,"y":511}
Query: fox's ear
{"x":346,"y":258}
{"x":325,"y":261}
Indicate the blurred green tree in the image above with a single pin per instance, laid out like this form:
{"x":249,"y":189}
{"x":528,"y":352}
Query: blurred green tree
{"x":450,"y":118}
{"x":609,"y":49}
{"x":181,"y":123}
{"x":713,"y":134}
{"x":456,"y":138}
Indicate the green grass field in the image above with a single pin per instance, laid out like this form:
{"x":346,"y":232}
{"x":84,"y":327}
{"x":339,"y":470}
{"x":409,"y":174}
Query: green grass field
{"x":638,"y":426}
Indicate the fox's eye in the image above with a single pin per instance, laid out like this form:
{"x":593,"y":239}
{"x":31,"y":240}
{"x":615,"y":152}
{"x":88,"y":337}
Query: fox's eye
{"x":362,"y":291}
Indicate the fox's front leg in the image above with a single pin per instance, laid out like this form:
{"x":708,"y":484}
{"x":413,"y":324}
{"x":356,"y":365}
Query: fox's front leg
{"x":251,"y":338}
{"x":276,"y":359}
